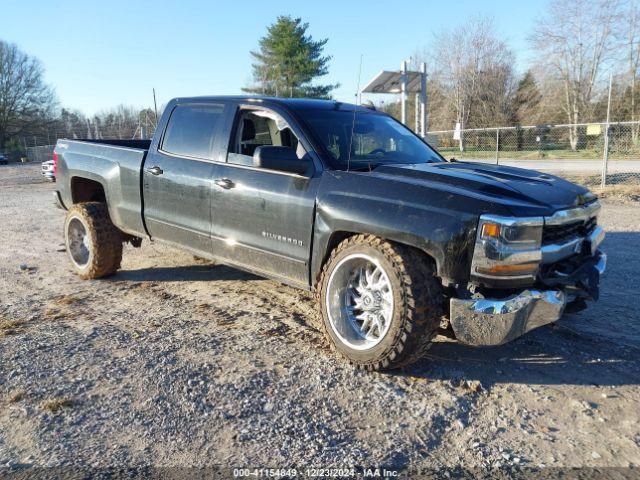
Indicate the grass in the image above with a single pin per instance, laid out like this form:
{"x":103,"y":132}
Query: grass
{"x":16,"y":396}
{"x":11,"y":326}
{"x":470,"y":387}
{"x":57,"y":309}
{"x":615,"y":181}
{"x":624,"y":192}
{"x":52,"y":405}
{"x":55,"y":404}
{"x":60,"y":307}
{"x":203,"y":307}
{"x":560,"y":154}
{"x":66,"y":300}
{"x":628,"y":191}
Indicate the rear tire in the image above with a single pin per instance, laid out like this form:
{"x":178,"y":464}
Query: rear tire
{"x":395,"y":275}
{"x":94,"y":244}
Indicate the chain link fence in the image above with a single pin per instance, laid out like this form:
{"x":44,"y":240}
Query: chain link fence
{"x":40,"y":154}
{"x":39,"y":148}
{"x":582,"y":153}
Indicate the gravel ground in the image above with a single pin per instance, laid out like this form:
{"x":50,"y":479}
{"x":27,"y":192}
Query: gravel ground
{"x":177,"y":362}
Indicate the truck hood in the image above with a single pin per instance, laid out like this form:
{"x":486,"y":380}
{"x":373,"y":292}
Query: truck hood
{"x":521,"y":191}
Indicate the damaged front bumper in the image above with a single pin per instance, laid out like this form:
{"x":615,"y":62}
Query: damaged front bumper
{"x":485,"y":322}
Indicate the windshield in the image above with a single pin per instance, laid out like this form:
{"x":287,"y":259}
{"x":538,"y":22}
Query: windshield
{"x":377,"y":140}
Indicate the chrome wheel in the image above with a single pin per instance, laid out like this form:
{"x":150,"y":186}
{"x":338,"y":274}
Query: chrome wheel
{"x":78,"y":242}
{"x":359,"y":301}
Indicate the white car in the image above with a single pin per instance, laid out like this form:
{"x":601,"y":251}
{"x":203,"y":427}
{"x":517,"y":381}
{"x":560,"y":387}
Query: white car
{"x":48,"y":170}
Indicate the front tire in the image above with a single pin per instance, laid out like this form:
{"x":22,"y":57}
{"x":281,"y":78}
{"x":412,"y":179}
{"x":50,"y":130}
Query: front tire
{"x":94,"y":244}
{"x":380,"y":302}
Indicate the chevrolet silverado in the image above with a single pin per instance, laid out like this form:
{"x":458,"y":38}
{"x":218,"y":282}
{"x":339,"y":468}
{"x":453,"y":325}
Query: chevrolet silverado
{"x":395,"y":241}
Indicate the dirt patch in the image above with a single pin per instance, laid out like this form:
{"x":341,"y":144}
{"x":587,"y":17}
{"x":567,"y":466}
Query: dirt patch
{"x":63,"y":307}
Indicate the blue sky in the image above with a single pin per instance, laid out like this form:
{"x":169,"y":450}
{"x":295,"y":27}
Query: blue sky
{"x":101,"y":54}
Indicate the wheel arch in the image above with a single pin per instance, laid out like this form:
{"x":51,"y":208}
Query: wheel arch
{"x":322,"y":252}
{"x":445,"y":235}
{"x":83,"y":189}
{"x":89,"y":187}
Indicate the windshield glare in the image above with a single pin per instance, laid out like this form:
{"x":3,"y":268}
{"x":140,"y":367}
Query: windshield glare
{"x":377,"y":139}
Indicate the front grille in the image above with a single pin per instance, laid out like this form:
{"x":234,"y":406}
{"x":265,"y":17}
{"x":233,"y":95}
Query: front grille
{"x":560,"y":234}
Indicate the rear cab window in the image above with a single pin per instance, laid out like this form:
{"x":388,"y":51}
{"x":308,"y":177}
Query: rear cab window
{"x":192,"y":130}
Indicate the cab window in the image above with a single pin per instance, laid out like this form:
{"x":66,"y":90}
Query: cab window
{"x":255,"y":128}
{"x":192,"y":130}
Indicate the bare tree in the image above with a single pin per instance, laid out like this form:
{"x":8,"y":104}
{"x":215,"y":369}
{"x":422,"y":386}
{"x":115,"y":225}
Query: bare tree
{"x":633,"y":49}
{"x":474,"y":71}
{"x":574,"y":41}
{"x":25,"y":100}
{"x":122,"y":122}
{"x":629,"y":37}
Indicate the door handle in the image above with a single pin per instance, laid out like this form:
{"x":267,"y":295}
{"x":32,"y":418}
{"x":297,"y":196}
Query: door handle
{"x":155,"y":170}
{"x":224,"y":183}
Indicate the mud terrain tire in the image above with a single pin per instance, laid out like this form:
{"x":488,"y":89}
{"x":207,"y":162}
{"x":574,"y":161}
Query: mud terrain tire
{"x":93,"y":243}
{"x":417,"y":302}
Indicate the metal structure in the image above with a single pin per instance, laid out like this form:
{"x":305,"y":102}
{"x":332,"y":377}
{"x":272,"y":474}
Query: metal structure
{"x":605,"y":158}
{"x":404,"y":82}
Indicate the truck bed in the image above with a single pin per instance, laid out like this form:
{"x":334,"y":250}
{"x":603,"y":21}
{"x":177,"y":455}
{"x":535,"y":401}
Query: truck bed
{"x":139,"y":144}
{"x":115,"y":164}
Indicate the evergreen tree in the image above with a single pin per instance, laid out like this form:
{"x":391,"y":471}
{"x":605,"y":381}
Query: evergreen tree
{"x":289,"y":60}
{"x":527,"y":100}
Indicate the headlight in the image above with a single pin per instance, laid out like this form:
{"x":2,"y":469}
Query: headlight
{"x":507,"y":247}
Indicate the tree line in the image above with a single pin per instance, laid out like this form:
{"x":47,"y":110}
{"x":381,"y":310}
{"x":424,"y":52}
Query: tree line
{"x":576,"y":45}
{"x":472,"y":76}
{"x":30,"y":113}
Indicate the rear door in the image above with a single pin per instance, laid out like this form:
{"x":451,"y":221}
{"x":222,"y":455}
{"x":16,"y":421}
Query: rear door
{"x":177,"y":177}
{"x":263,"y":219}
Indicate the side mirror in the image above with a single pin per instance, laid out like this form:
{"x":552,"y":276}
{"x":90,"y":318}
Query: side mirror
{"x":283,"y":159}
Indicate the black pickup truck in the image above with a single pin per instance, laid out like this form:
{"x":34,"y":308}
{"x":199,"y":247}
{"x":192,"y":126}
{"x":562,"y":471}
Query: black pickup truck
{"x":345,"y":201}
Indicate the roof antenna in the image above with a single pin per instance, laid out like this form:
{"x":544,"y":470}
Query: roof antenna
{"x":353,"y":123}
{"x":155,"y":106}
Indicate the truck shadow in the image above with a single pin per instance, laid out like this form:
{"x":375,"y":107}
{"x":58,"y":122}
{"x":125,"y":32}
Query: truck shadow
{"x":599,"y":346}
{"x":207,"y":272}
{"x":548,"y":355}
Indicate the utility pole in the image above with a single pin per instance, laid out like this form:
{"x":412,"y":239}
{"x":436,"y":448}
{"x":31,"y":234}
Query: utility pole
{"x":605,"y":157}
{"x":423,"y":100}
{"x":417,"y":113}
{"x":403,"y":92}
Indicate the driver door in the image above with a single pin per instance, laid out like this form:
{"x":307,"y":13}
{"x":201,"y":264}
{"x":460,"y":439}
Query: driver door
{"x":263,"y":219}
